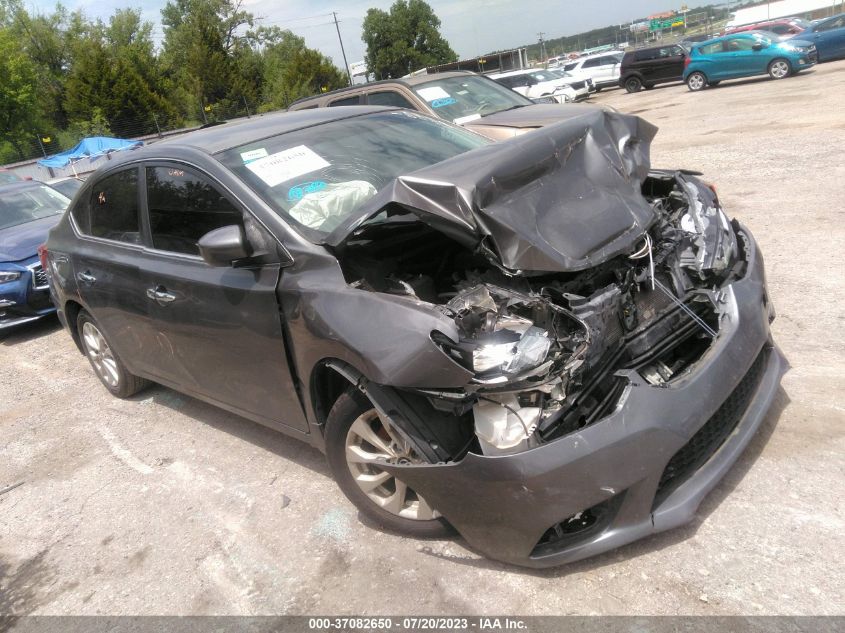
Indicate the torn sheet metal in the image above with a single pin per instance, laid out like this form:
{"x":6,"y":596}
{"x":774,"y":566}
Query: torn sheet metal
{"x":562,"y":198}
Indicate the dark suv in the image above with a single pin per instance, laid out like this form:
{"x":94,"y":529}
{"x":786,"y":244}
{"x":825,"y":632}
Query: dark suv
{"x":647,"y":67}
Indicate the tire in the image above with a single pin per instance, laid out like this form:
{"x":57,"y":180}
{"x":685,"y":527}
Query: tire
{"x":780,"y":68}
{"x":104,"y":360}
{"x":350,"y":421}
{"x":633,"y":84}
{"x":696,"y":81}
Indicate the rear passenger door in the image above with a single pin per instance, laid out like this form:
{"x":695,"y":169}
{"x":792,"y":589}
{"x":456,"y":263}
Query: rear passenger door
{"x":106,"y":270}
{"x":218,"y":329}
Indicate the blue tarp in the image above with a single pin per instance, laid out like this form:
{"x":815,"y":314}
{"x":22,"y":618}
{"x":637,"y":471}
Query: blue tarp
{"x":91,"y":147}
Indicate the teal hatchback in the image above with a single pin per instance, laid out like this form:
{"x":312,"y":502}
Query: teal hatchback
{"x":744,"y":55}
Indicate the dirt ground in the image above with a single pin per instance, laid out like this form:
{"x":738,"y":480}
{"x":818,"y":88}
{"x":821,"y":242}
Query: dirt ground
{"x":165,"y":505}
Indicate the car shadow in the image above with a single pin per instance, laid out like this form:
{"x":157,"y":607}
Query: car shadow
{"x":734,"y":83}
{"x":287,"y":447}
{"x":651,"y":543}
{"x":30,"y":331}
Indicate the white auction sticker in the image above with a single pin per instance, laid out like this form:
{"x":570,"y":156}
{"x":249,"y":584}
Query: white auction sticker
{"x":466,"y":119}
{"x":432,"y":93}
{"x":287,"y":164}
{"x":253,"y":154}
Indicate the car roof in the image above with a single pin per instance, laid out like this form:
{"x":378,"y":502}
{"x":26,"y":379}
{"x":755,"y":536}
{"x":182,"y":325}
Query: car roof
{"x":218,"y":138}
{"x":405,"y":81}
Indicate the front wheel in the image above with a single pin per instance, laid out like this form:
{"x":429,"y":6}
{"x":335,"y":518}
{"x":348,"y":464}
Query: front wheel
{"x":106,"y":363}
{"x":779,"y":69}
{"x":696,"y":81}
{"x":358,"y":440}
{"x":633,"y":84}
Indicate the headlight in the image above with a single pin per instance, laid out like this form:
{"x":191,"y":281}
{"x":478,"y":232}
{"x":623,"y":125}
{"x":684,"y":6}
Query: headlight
{"x":514,"y":357}
{"x":9,"y":275}
{"x":793,"y":49}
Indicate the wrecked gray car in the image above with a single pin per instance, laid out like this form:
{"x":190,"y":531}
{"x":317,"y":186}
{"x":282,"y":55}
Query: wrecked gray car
{"x":542,"y":343}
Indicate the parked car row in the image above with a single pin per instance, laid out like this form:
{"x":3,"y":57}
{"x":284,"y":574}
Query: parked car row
{"x":779,"y":48}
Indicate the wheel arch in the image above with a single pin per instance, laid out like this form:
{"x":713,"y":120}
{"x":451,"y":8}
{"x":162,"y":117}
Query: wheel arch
{"x":72,"y":309}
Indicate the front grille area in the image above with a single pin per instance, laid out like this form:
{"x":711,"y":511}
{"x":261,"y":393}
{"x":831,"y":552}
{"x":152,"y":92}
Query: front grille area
{"x":713,"y":434}
{"x":39,"y":277}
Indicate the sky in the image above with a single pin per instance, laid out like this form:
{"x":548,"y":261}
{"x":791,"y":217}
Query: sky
{"x":472,"y":27}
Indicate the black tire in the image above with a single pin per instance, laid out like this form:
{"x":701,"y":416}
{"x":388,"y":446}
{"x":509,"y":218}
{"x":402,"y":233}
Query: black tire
{"x":696,"y":81}
{"x":633,"y":84}
{"x":598,"y":88}
{"x":118,"y":380}
{"x":351,"y":406}
{"x":779,"y":68}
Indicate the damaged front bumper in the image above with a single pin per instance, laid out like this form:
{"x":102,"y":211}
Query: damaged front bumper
{"x":642,"y":469}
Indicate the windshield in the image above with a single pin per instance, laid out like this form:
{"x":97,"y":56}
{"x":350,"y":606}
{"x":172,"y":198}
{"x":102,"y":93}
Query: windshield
{"x":462,"y":99}
{"x":320,"y":176}
{"x":20,"y":206}
{"x":7,"y":177}
{"x":544,"y":75}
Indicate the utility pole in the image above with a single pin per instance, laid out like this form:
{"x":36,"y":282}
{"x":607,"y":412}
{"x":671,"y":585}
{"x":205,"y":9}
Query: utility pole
{"x":343,"y":52}
{"x":542,"y":46}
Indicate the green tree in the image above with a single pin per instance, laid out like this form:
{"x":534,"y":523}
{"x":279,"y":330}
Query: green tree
{"x":405,"y":39}
{"x":117,"y":75}
{"x":17,"y":95}
{"x":292,"y":70}
{"x":205,"y":45}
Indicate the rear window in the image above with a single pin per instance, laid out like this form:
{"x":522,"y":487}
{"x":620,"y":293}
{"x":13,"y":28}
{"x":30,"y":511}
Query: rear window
{"x":710,"y":49}
{"x":20,"y":206}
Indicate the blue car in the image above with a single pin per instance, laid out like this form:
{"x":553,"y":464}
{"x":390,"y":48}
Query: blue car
{"x":828,"y":35}
{"x":743,"y":55}
{"x":28,"y":210}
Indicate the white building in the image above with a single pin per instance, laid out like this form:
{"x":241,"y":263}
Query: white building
{"x":774,"y":10}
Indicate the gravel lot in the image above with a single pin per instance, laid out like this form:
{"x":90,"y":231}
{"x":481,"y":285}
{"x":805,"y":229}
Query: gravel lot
{"x":165,"y":505}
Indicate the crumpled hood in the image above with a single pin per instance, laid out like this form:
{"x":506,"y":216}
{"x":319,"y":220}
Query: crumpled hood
{"x":533,"y":116}
{"x":562,"y":198}
{"x":22,"y":241}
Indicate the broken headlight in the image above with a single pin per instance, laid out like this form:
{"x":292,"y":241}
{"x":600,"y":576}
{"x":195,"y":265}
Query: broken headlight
{"x":514,"y":356}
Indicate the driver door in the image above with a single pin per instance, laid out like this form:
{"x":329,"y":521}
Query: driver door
{"x":218,"y":330}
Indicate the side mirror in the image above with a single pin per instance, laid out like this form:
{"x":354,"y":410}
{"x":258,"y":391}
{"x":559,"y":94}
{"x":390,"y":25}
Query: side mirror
{"x":222,"y":246}
{"x":757,"y":47}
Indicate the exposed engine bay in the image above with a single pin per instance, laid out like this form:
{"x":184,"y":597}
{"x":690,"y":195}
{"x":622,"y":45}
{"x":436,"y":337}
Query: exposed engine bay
{"x":547,"y":349}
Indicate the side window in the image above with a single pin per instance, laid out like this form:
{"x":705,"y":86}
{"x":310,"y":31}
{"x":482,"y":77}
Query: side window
{"x":645,"y":55}
{"x":183,"y":207}
{"x":780,"y":29}
{"x":389,"y":98}
{"x":677,"y":51}
{"x":711,"y":49}
{"x":114,"y":208}
{"x":740,"y":44}
{"x":592,"y":63}
{"x":345,"y":102}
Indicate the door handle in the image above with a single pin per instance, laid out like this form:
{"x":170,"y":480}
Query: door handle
{"x":160,"y":295}
{"x":86,"y":277}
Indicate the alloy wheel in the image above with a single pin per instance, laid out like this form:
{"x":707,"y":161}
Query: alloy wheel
{"x":100,"y":354}
{"x":779,"y":69}
{"x":370,"y":442}
{"x":696,"y":81}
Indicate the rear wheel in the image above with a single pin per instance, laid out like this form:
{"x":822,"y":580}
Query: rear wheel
{"x":696,"y":81}
{"x":633,"y":84}
{"x":106,"y":364}
{"x":358,"y":441}
{"x":779,"y":69}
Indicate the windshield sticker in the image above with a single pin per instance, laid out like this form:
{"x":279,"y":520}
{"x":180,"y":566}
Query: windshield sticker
{"x":298,"y":192}
{"x":466,"y":119}
{"x":433,"y":92}
{"x":286,"y":165}
{"x":440,"y":103}
{"x":253,"y":154}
